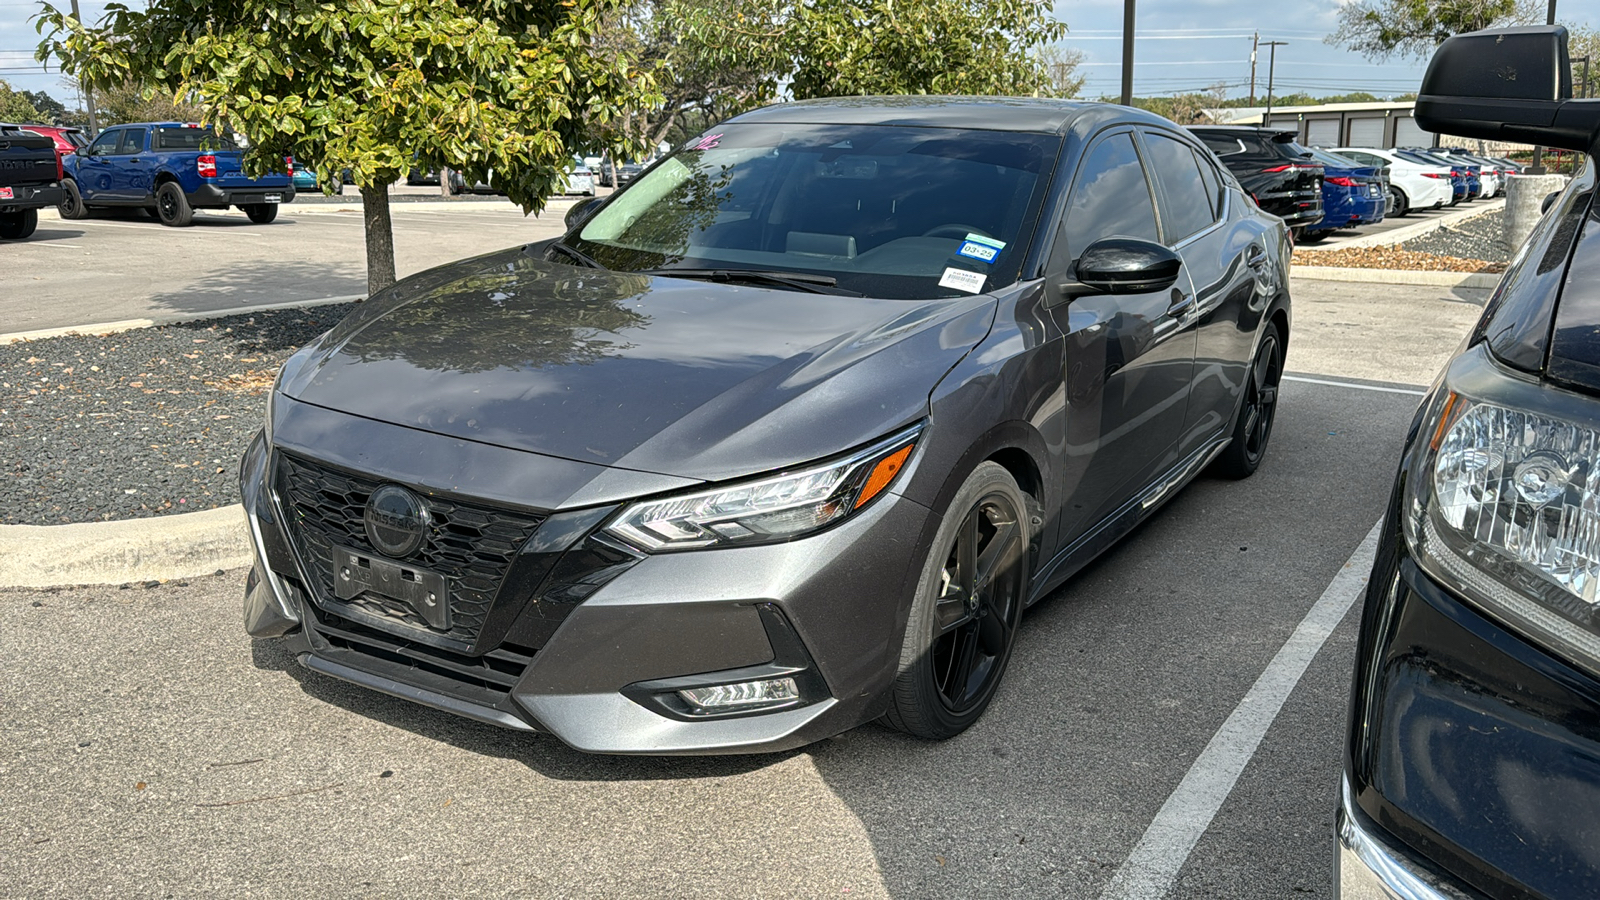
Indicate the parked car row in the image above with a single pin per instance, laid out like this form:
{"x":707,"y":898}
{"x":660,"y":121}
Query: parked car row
{"x":1318,"y":191}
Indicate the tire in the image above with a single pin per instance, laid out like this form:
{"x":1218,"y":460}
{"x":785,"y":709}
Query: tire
{"x":1402,"y":203}
{"x":956,"y":648}
{"x":1252,"y":425}
{"x":71,"y":205}
{"x":172,"y":207}
{"x":18,"y":225}
{"x":261,"y":213}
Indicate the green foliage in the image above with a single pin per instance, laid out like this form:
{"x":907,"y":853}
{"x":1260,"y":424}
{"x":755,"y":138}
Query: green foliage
{"x":134,"y":102}
{"x":1582,"y":42}
{"x":374,"y":86}
{"x":51,"y":110}
{"x":15,"y":106}
{"x":1381,"y":29}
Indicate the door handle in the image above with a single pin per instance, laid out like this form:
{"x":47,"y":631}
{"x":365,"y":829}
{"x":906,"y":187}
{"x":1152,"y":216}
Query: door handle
{"x":1255,"y":257}
{"x":1180,"y":303}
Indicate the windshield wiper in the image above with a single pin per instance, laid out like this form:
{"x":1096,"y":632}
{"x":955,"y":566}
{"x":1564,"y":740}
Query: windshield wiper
{"x":800,"y":281}
{"x":576,"y":254}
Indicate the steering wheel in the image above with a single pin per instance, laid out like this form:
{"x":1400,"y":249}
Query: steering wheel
{"x":955,"y":229}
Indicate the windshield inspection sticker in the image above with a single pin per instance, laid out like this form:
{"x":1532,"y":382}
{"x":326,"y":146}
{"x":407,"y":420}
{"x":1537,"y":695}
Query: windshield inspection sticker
{"x":979,"y":252}
{"x":962,"y":280}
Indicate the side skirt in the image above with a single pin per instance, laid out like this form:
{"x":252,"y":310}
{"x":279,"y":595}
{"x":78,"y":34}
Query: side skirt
{"x":1099,"y":539}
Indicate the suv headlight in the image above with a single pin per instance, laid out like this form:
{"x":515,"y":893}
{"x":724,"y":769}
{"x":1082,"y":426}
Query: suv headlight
{"x":778,"y":508}
{"x":1502,"y":504}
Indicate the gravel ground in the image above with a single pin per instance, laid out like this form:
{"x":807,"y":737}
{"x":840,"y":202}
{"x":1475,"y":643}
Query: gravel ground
{"x":1476,"y":238}
{"x":141,"y":423}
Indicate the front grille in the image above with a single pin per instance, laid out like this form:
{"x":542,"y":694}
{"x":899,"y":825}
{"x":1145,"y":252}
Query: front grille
{"x":470,"y":545}
{"x":485,"y":680}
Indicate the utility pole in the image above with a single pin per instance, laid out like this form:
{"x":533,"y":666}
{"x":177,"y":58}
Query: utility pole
{"x":1538,"y":150}
{"x":1272,"y":65}
{"x":88,"y":92}
{"x":1255,"y":44}
{"x":1127,"y":52}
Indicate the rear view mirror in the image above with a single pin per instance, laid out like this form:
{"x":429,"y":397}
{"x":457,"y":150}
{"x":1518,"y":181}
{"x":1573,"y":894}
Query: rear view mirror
{"x":1125,"y":266}
{"x":1507,"y":84}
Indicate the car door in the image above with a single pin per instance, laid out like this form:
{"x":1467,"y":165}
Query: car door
{"x":1128,"y":357}
{"x":130,"y":175}
{"x":95,"y":165}
{"x":1221,"y":255}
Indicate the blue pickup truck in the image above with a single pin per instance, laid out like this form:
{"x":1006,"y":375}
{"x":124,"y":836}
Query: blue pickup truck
{"x":171,"y":169}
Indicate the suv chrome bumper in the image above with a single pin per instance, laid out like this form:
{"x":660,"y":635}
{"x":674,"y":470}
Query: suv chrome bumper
{"x":1369,"y":868}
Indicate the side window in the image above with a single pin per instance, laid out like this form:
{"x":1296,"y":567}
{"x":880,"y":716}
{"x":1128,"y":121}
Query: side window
{"x":1222,"y":146}
{"x":1187,"y":206}
{"x":1111,"y":198}
{"x":106,"y":143}
{"x":1212,"y":181}
{"x":132,"y":142}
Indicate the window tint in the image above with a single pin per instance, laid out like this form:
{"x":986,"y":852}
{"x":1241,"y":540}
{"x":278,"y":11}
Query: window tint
{"x":1111,"y":197}
{"x":132,"y":142}
{"x":106,"y":142}
{"x":1222,"y":146}
{"x":1212,"y":181}
{"x":190,"y":137}
{"x":1188,"y":207}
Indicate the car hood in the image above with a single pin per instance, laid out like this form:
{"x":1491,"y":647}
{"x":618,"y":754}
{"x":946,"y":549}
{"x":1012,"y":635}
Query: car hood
{"x":661,"y":375}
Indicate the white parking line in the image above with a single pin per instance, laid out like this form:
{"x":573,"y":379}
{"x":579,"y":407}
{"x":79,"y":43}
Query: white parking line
{"x":1150,"y":869}
{"x":1355,"y":385}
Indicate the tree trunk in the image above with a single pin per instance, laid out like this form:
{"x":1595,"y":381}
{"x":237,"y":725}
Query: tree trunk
{"x":380,"y":238}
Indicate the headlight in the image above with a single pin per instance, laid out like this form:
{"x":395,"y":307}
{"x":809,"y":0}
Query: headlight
{"x":779,"y":508}
{"x":1502,"y":504}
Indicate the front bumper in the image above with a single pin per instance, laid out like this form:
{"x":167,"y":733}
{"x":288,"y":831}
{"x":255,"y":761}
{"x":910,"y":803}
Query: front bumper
{"x":580,"y":630}
{"x":1370,"y":868}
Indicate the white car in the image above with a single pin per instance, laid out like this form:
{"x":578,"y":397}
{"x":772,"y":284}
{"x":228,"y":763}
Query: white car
{"x":1415,"y":186}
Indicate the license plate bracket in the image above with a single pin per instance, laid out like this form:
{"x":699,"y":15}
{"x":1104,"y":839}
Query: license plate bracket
{"x":273,"y":198}
{"x":356,"y":573}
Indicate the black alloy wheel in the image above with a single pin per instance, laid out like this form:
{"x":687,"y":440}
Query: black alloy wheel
{"x":71,"y":205}
{"x":969,"y":603}
{"x":172,"y":207}
{"x":1402,"y":203}
{"x":1253,"y":427}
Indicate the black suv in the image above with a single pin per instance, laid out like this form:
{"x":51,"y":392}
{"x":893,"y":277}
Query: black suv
{"x":1473,"y":760}
{"x":1279,"y":173}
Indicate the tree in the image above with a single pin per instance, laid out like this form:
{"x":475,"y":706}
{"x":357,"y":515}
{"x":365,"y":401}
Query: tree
{"x":1584,"y":42}
{"x":50,"y":109}
{"x":1061,"y":68}
{"x":14,"y":105}
{"x":373,"y":86}
{"x":132,"y":101}
{"x":1381,"y":29}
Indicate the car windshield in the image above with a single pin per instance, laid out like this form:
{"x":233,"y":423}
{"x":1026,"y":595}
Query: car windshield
{"x":886,"y":211}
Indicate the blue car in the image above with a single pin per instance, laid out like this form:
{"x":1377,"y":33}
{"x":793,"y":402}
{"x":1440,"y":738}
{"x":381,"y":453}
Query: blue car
{"x":1352,"y":194}
{"x":306,"y":180}
{"x":170,"y":168}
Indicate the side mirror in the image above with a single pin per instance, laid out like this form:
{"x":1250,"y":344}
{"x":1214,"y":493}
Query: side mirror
{"x":580,"y":211}
{"x":1507,"y":84}
{"x":1123,"y":266}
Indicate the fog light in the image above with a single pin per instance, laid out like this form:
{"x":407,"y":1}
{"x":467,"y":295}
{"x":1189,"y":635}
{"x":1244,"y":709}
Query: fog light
{"x":744,"y":695}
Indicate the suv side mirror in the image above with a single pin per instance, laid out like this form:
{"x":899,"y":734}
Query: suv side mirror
{"x":1123,"y":266}
{"x":1507,"y":84}
{"x":580,"y":211}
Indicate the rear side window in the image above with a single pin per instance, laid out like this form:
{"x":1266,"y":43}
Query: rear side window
{"x":1188,"y":206}
{"x":185,"y":138}
{"x":1111,"y":197}
{"x":1220,"y":145}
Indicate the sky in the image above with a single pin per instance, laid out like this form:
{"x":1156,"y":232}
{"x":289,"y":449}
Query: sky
{"x":1180,"y":45}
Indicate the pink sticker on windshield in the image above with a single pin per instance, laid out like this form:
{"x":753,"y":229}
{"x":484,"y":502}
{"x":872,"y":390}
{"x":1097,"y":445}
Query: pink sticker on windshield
{"x":708,"y":143}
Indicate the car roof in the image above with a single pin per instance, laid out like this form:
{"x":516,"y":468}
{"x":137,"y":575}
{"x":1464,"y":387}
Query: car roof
{"x":1023,"y":114}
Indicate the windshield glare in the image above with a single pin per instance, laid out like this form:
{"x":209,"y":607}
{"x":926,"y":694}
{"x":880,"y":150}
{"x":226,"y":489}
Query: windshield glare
{"x":885,"y":210}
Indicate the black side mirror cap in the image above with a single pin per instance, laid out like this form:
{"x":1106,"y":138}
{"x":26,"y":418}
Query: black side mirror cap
{"x":1507,"y":84}
{"x":581,"y":210}
{"x":1120,"y":265}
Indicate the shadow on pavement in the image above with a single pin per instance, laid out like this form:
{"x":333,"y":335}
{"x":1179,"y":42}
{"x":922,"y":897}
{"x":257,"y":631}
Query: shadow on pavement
{"x":264,"y":281}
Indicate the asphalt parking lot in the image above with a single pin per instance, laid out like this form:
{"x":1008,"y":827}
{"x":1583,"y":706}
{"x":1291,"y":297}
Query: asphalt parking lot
{"x":148,"y":748}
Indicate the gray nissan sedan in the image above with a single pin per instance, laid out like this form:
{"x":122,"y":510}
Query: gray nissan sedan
{"x":780,"y":439}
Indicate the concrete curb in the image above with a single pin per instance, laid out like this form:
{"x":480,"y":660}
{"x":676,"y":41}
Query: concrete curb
{"x":155,"y":549}
{"x":1410,"y":232}
{"x":173,"y":319}
{"x":1397,"y":276}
